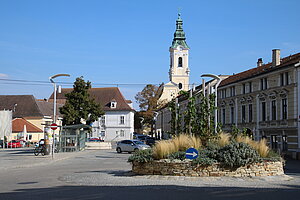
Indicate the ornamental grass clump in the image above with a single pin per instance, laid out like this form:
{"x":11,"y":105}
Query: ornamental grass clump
{"x":180,"y":143}
{"x":223,"y":139}
{"x":163,"y":148}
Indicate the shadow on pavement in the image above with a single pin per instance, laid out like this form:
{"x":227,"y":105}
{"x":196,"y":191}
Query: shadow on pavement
{"x":292,"y":167}
{"x":152,"y":192}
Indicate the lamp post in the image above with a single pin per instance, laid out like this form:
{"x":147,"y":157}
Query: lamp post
{"x":54,"y":104}
{"x":219,"y":79}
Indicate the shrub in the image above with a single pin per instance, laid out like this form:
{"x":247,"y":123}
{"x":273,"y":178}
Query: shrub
{"x":142,"y":156}
{"x":272,"y":156}
{"x":260,"y":146}
{"x":180,"y":155}
{"x":205,"y":161}
{"x":237,"y":154}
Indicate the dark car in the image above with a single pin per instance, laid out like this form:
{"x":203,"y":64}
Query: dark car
{"x":150,"y":141}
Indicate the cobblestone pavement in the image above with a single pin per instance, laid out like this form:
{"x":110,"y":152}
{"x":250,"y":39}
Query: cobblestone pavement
{"x":106,"y":175}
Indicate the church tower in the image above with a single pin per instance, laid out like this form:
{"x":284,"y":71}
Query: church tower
{"x":179,"y":65}
{"x":179,"y":58}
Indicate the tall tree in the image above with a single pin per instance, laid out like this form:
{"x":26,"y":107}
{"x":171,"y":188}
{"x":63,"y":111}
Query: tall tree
{"x":80,"y":105}
{"x":148,"y":100}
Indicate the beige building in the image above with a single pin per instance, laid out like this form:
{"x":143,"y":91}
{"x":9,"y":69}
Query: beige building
{"x":179,"y":65}
{"x":265,"y":100}
{"x":38,"y":113}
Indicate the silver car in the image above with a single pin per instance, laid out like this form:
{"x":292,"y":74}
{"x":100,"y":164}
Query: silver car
{"x":131,"y":146}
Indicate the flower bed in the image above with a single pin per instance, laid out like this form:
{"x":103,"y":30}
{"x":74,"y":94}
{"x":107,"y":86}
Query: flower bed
{"x":186,"y":168}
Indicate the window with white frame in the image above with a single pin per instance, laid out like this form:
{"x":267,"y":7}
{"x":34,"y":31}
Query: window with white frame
{"x":122,"y":133}
{"x":113,"y":104}
{"x":122,"y":119}
{"x":102,"y":134}
{"x":244,"y":88}
{"x":102,"y":121}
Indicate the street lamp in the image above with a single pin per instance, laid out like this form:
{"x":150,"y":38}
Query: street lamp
{"x":54,"y":102}
{"x":219,"y":79}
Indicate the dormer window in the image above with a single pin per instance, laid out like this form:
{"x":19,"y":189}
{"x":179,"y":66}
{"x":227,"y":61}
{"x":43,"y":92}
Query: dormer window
{"x":113,"y":104}
{"x":180,"y":62}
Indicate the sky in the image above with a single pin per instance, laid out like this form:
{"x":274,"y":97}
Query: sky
{"x":125,"y":43}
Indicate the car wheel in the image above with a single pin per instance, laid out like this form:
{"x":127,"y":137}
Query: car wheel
{"x":119,"y":150}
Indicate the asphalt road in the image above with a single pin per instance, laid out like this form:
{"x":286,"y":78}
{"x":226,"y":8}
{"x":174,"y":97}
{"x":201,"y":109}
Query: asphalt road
{"x":106,"y":175}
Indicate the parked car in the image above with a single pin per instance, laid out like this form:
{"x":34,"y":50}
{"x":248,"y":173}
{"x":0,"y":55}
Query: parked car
{"x":131,"y":146}
{"x":150,"y":141}
{"x":139,"y":136}
{"x":14,"y":144}
{"x":23,"y":143}
{"x":145,"y":139}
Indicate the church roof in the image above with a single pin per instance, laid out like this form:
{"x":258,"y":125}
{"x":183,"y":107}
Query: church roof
{"x":179,"y":35}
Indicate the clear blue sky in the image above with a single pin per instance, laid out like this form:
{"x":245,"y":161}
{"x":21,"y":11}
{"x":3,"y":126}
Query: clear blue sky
{"x":127,"y":41}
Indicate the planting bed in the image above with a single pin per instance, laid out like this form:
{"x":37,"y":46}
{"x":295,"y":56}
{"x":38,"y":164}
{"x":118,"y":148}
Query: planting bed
{"x":186,"y":168}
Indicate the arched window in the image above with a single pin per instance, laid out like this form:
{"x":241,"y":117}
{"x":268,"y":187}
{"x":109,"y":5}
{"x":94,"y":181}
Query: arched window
{"x":179,"y":62}
{"x":180,"y":86}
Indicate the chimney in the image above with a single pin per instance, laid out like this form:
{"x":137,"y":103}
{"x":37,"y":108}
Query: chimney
{"x":259,"y":62}
{"x":275,"y":57}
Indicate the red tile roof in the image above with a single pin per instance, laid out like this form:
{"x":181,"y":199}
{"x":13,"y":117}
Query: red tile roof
{"x":18,"y":126}
{"x":289,"y":60}
{"x":101,"y":95}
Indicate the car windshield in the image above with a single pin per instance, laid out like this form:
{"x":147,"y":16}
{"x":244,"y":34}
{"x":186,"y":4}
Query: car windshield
{"x":138,"y":142}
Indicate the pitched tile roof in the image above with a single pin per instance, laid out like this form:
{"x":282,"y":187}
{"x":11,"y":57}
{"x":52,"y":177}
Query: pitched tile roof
{"x":18,"y":126}
{"x":287,"y":61}
{"x":46,"y":108}
{"x":101,"y":95}
{"x":25,"y":105}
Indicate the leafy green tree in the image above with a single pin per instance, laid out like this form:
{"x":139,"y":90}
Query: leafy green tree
{"x":80,"y":105}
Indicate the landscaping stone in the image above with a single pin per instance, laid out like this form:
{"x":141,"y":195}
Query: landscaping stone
{"x":185,"y":168}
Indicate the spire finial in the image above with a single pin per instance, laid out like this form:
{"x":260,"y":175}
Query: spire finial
{"x":179,"y":12}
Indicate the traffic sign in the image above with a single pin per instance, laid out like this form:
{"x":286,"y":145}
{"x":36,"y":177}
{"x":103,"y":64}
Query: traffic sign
{"x":191,"y":153}
{"x":53,"y":126}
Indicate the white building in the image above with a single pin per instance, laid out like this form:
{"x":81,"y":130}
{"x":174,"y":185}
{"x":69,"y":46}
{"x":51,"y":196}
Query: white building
{"x":118,"y":121}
